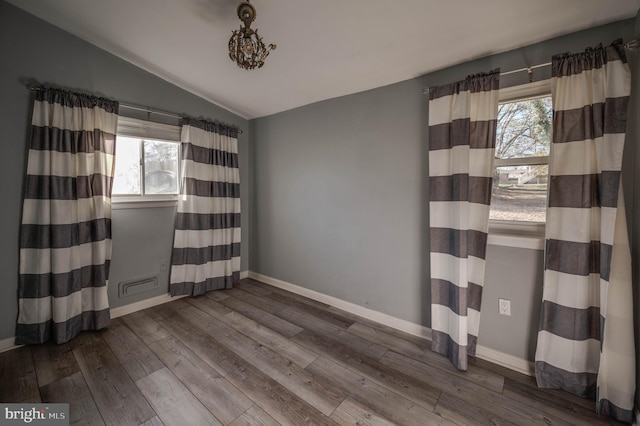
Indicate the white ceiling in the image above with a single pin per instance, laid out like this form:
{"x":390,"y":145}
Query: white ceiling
{"x":325,"y":48}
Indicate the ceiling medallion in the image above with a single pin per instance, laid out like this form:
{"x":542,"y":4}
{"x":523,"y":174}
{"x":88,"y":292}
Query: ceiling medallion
{"x":246,"y":47}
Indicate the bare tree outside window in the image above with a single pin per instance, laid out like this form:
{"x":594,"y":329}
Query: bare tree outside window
{"x":524,"y":128}
{"x":520,"y":177}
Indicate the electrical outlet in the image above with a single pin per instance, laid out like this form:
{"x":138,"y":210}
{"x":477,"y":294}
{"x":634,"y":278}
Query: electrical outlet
{"x":163,"y":265}
{"x":504,"y":307}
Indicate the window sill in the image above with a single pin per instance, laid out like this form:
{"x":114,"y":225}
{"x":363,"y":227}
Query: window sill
{"x":517,"y":241}
{"x":516,"y":234}
{"x":120,"y":203}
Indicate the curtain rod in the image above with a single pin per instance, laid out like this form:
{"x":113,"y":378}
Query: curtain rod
{"x":631,"y":44}
{"x":530,"y":69}
{"x":157,"y":112}
{"x":35,"y":88}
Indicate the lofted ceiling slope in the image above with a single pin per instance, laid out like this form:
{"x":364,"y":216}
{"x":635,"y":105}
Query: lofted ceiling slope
{"x":325,"y":49}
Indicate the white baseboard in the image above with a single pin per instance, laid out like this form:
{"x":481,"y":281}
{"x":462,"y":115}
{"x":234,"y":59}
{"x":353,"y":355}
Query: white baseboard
{"x":500,"y":358}
{"x":143,"y":304}
{"x":391,"y":321}
{"x":154,"y":301}
{"x":505,"y":360}
{"x":8,"y":344}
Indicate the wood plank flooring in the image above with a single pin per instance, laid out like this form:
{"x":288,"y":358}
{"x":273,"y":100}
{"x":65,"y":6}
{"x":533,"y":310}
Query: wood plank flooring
{"x":258,"y":355}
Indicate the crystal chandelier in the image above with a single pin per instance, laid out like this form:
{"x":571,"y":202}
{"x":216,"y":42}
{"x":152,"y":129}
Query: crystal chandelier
{"x":246,"y":47}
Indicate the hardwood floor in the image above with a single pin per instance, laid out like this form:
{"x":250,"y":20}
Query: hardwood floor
{"x":258,"y":355}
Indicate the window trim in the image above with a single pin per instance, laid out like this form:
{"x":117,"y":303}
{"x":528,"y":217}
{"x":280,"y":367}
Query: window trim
{"x":509,"y":233}
{"x":136,"y":128}
{"x":525,"y":92}
{"x":542,"y":160}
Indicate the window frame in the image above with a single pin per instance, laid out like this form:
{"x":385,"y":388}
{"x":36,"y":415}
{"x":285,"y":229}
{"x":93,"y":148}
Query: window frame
{"x":511,"y":233}
{"x":151,"y":131}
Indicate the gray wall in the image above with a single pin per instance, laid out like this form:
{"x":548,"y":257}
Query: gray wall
{"x":514,"y":274}
{"x":340,"y":203}
{"x":340,"y":199}
{"x":34,"y":50}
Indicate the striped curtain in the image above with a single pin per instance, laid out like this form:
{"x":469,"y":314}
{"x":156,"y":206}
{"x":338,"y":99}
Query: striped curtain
{"x":462,"y":137}
{"x":586,"y":340}
{"x":206,"y":248}
{"x":65,"y":239}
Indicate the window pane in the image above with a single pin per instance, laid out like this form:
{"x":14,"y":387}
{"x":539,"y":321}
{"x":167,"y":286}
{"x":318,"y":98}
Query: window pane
{"x":160,"y":167}
{"x":524,"y":128}
{"x":519,"y":193}
{"x":127,"y":175}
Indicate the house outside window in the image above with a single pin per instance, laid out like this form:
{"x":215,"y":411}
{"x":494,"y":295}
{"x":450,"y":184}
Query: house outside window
{"x":521,"y":166}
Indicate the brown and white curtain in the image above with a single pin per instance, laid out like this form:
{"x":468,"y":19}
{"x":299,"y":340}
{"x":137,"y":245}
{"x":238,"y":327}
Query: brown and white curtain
{"x":586,"y":341}
{"x":462,"y":137}
{"x":206,"y":248}
{"x":65,"y":239}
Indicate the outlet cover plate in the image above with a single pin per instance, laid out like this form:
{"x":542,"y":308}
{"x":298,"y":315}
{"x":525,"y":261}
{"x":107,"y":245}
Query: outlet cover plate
{"x":504,"y":307}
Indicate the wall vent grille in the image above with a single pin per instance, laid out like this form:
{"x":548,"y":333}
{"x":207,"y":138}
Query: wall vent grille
{"x":137,"y":286}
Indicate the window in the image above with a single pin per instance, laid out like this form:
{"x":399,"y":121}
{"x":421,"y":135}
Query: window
{"x":521,"y":166}
{"x":156,"y":160}
{"x":147,"y":162}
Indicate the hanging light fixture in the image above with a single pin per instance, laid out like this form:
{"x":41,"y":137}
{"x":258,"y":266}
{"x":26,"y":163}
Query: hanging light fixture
{"x":246,"y":47}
